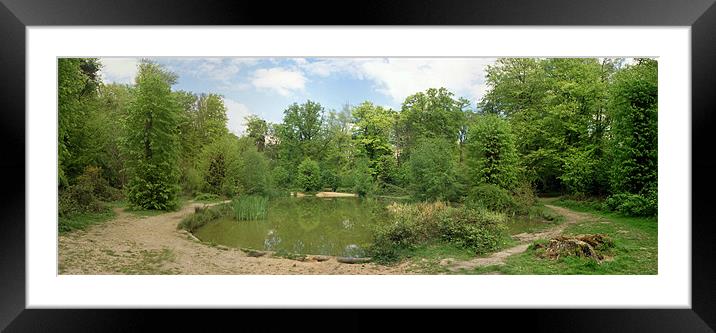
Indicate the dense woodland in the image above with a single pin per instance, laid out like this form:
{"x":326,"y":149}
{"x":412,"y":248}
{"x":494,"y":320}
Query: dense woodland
{"x":579,"y":127}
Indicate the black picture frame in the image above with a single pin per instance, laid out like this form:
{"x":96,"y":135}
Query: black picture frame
{"x":700,"y":15}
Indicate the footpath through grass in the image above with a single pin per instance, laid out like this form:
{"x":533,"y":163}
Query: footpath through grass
{"x":635,"y":248}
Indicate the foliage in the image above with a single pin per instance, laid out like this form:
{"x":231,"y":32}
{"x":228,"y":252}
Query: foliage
{"x":152,"y":140}
{"x":362,"y":179}
{"x":250,"y":207}
{"x":432,"y":172}
{"x":633,"y":204}
{"x":634,"y":112}
{"x":204,"y":215}
{"x":492,"y":157}
{"x":330,"y":179}
{"x":413,"y":225}
{"x":309,"y":175}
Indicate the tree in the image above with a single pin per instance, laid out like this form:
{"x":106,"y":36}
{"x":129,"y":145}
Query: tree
{"x":152,"y":141}
{"x":634,"y":102}
{"x":432,"y":171}
{"x":430,"y":114}
{"x":492,"y":158}
{"x":309,"y":175}
{"x":371,"y":132}
{"x":257,"y":129}
{"x":301,"y":134}
{"x":77,"y":86}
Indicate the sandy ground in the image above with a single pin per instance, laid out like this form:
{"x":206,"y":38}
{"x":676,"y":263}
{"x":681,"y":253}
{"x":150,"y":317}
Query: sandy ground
{"x":152,"y":245}
{"x":498,"y":258}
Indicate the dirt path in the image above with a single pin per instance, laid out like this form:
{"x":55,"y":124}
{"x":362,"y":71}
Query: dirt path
{"x":131,"y":244}
{"x":498,"y":258}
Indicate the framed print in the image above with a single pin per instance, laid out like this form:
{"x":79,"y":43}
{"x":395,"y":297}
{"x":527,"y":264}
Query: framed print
{"x":260,"y":178}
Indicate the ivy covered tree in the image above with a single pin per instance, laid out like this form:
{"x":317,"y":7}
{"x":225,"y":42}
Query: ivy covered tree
{"x":152,"y":141}
{"x":492,"y":157}
{"x":309,"y":175}
{"x":634,"y":128}
{"x":432,"y":171}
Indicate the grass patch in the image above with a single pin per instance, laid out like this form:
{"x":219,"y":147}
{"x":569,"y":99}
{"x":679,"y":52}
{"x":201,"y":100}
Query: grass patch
{"x":83,"y":220}
{"x":538,"y":218}
{"x":635,"y":249}
{"x":251,"y":207}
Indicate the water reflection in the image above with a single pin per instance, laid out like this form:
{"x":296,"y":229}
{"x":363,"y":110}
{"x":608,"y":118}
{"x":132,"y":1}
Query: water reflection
{"x":302,"y":225}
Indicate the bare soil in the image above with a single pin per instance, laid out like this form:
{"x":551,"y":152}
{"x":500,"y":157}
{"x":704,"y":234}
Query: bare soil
{"x":132,"y":244}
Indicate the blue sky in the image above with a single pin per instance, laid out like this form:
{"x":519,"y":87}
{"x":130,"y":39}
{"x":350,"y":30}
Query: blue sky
{"x":266,"y":86}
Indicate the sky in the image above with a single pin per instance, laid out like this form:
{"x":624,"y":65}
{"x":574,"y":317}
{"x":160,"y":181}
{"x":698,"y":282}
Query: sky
{"x":267,"y":86}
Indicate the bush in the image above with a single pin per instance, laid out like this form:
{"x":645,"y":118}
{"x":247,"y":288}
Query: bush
{"x":411,"y":225}
{"x":633,"y":204}
{"x":480,"y":231}
{"x":87,"y":194}
{"x":206,"y":197}
{"x":330,"y":179}
{"x":309,"y":175}
{"x":203,"y":215}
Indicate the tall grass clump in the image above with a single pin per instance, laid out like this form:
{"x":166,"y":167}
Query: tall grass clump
{"x":413,"y":225}
{"x":250,"y":207}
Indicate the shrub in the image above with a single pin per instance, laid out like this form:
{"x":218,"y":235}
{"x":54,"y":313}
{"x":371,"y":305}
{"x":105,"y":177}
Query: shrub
{"x":206,"y":197}
{"x":633,"y":204}
{"x":490,"y":197}
{"x":86,"y":194}
{"x":411,"y":225}
{"x":309,"y":175}
{"x":203,"y":215}
{"x":330,"y":179}
{"x":480,"y":231}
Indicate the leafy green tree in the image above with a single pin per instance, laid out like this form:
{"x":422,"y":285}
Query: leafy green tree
{"x":362,"y":178}
{"x":309,"y":175}
{"x":434,"y":113}
{"x":152,"y":141}
{"x":432,"y":171}
{"x":634,"y":111}
{"x":492,"y":157}
{"x":77,"y":85}
{"x":257,"y":129}
{"x":301,"y":134}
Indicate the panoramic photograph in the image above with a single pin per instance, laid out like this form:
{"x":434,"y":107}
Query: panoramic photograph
{"x":369,"y":165}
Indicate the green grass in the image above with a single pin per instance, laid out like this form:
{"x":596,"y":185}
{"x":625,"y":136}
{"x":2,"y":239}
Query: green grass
{"x":208,"y":198}
{"x":247,"y":208}
{"x":82,"y":221}
{"x":538,"y":219}
{"x":635,"y":249}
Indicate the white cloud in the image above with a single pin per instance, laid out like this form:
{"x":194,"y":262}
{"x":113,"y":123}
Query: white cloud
{"x":401,"y":77}
{"x":281,"y":80}
{"x":119,"y":70}
{"x":236,"y":112}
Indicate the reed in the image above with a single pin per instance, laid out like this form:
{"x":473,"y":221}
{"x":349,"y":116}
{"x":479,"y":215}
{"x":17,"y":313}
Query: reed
{"x":250,"y":207}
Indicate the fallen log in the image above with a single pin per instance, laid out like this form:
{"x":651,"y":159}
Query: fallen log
{"x":353,"y":260}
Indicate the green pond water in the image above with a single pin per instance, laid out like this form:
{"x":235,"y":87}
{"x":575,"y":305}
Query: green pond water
{"x":308,"y":225}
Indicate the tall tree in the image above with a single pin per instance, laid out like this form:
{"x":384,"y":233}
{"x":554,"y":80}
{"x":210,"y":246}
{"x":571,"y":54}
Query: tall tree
{"x":492,"y":157}
{"x":152,"y":140}
{"x":634,"y":113}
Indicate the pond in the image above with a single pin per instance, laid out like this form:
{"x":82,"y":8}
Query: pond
{"x":307,"y":225}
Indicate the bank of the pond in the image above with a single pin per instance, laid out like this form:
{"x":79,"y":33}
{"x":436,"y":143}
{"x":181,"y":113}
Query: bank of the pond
{"x":131,"y":244}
